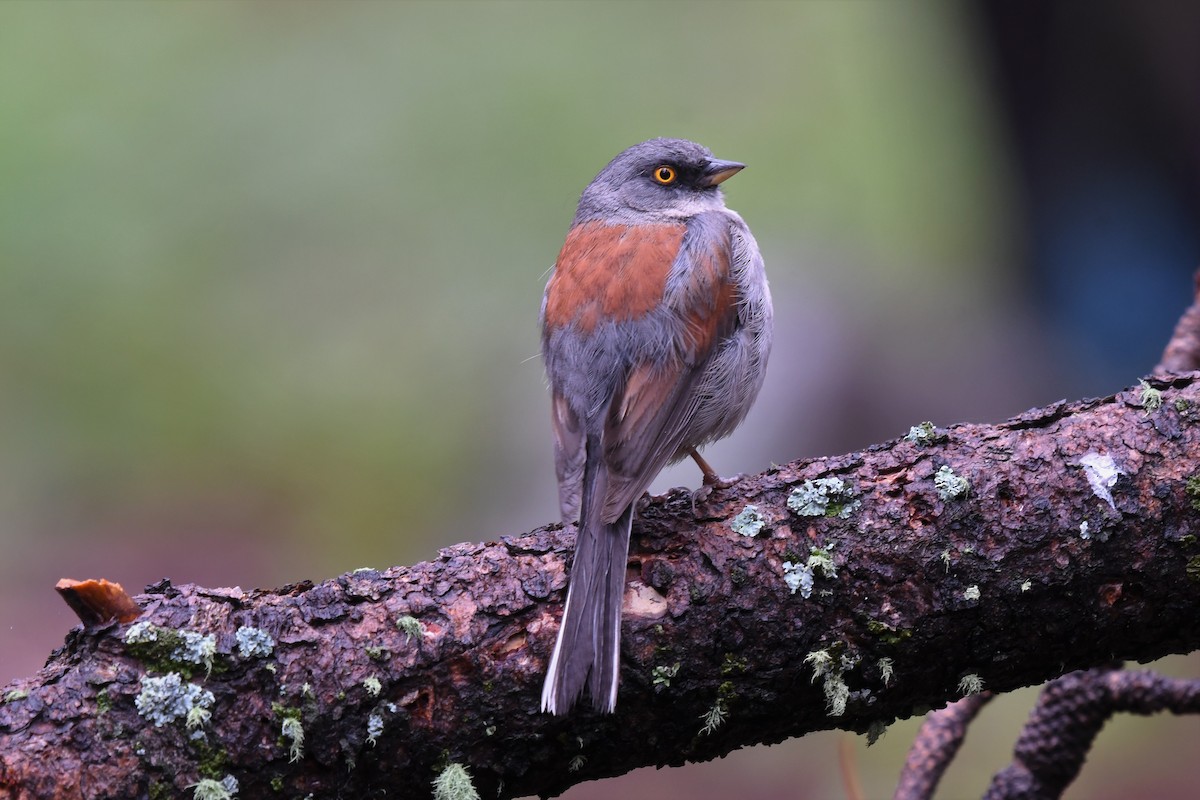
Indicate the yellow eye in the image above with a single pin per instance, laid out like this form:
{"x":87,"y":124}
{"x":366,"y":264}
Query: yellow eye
{"x":665,"y":175}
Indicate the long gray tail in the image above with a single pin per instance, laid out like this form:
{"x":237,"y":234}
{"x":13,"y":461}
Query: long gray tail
{"x":588,"y":650}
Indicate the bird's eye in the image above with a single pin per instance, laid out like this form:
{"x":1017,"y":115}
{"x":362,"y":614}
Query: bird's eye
{"x":665,"y":175}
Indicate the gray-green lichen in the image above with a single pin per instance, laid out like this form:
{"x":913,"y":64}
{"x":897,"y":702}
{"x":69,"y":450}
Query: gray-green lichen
{"x":372,"y":685}
{"x":454,"y":783}
{"x":971,"y":592}
{"x":166,"y":699}
{"x":13,"y":695}
{"x":923,"y":434}
{"x":820,"y":560}
{"x":886,"y":670}
{"x":950,"y":486}
{"x":293,"y":731}
{"x":970,"y":684}
{"x":168,"y":650}
{"x":830,"y":670}
{"x":799,"y":577}
{"x":748,"y":522}
{"x":254,"y":642}
{"x":374,"y":728}
{"x":411,"y":627}
{"x":714,"y":718}
{"x":208,"y":789}
{"x":1151,"y":398}
{"x":824,"y":497}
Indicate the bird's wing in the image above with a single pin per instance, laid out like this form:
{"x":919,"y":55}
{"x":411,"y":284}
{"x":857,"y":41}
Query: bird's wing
{"x":650,"y":415}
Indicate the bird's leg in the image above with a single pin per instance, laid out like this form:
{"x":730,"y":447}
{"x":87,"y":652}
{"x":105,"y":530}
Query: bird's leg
{"x":711,"y":478}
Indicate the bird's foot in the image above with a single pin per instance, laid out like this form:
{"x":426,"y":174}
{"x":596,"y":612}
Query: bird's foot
{"x":711,"y":479}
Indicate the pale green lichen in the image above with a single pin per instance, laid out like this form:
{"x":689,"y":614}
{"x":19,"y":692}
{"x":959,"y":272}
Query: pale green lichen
{"x":454,"y":783}
{"x":950,"y":486}
{"x":254,"y":642}
{"x":372,"y":685}
{"x":293,"y":731}
{"x":824,"y":497}
{"x":821,"y":662}
{"x":197,"y":648}
{"x":411,"y":627}
{"x":820,"y":560}
{"x":971,"y":592}
{"x":662,"y":675}
{"x":208,"y":789}
{"x":1026,"y":586}
{"x":1192,"y":490}
{"x":1151,"y":398}
{"x":142,"y":633}
{"x":837,"y":693}
{"x":886,"y":670}
{"x":714,"y":718}
{"x":13,"y":695}
{"x":170,"y":650}
{"x":970,"y":684}
{"x":166,"y":699}
{"x":197,"y":717}
{"x":749,"y":522}
{"x":923,"y":434}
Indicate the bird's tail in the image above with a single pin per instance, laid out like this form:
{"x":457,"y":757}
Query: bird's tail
{"x":588,"y":650}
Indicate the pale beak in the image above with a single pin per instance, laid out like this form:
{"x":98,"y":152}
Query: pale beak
{"x":718,"y":171}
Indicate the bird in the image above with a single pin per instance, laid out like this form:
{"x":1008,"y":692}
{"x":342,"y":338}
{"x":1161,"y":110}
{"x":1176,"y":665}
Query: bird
{"x":656,"y":327}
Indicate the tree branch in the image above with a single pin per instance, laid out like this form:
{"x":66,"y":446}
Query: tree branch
{"x":880,"y":582}
{"x":1070,"y":712}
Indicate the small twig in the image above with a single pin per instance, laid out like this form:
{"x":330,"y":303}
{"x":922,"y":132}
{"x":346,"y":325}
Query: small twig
{"x":935,"y":746}
{"x":1069,"y":713}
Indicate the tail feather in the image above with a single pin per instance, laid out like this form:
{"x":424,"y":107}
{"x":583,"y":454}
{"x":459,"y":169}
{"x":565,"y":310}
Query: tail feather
{"x":587,"y":653}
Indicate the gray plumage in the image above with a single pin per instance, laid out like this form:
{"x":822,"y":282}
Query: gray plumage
{"x":638,"y":386}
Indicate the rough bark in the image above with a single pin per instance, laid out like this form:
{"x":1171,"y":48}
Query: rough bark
{"x":1002,"y":583}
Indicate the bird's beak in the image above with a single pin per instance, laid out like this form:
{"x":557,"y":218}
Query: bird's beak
{"x":718,"y":171}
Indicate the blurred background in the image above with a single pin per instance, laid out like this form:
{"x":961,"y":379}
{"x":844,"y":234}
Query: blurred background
{"x":270,"y":272}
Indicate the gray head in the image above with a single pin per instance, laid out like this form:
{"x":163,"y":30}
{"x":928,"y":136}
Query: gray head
{"x":660,"y":178}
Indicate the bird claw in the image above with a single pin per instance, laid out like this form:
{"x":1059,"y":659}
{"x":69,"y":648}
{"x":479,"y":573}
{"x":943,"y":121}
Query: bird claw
{"x":715,"y":481}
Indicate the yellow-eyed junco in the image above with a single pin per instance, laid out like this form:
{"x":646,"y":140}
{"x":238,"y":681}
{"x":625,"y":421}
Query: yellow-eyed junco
{"x":656,"y":326}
